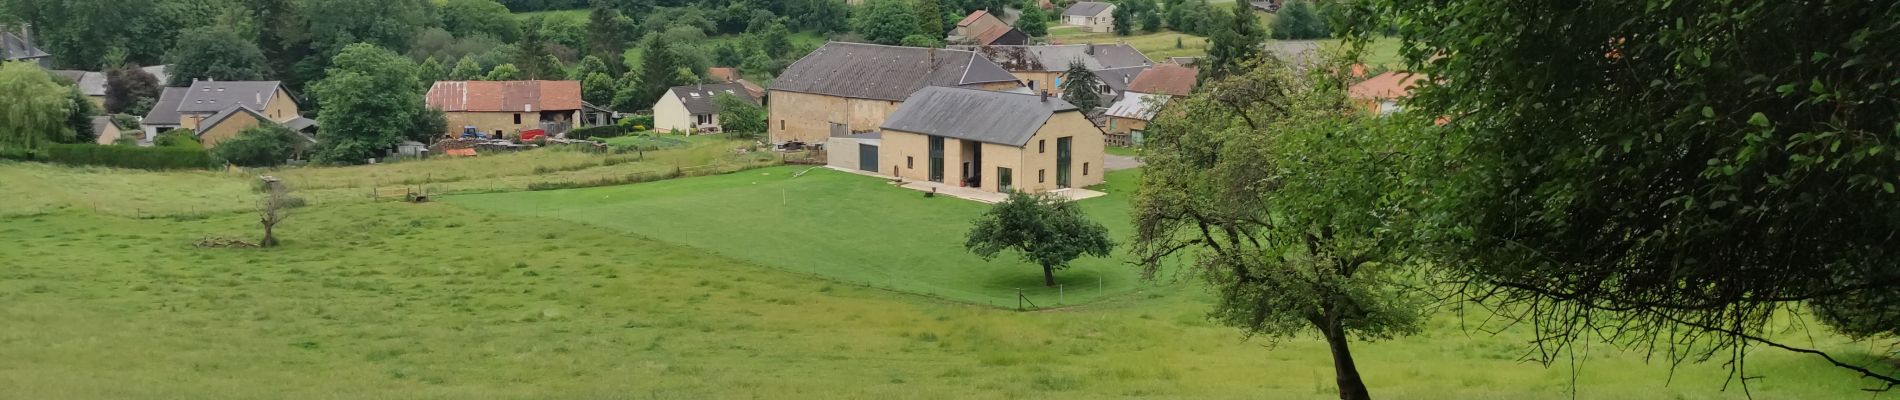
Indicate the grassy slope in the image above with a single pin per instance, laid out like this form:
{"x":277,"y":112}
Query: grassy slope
{"x":1161,"y":45}
{"x":842,"y":226}
{"x":394,"y":300}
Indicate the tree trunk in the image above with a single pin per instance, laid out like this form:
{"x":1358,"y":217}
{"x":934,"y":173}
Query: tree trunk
{"x":269,"y":239}
{"x":1345,"y":371}
{"x":1048,"y":276}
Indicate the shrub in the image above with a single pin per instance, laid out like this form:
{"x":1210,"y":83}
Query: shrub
{"x":260,"y":146}
{"x":178,"y":138}
{"x":150,"y":158}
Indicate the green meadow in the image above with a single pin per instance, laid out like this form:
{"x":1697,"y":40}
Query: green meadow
{"x":751,"y":284}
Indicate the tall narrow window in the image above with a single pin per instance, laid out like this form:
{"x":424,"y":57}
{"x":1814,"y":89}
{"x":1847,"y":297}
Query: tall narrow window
{"x":1005,"y":180}
{"x":1064,"y":160}
{"x":1042,"y":175}
{"x":1042,"y":146}
{"x":936,"y":159}
{"x":1085,"y":169}
{"x":517,"y":119}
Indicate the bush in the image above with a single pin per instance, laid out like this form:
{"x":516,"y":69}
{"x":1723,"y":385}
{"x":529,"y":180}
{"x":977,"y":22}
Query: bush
{"x":638,"y":122}
{"x":260,"y":146}
{"x":149,"y":158}
{"x":607,"y":131}
{"x":178,"y":138}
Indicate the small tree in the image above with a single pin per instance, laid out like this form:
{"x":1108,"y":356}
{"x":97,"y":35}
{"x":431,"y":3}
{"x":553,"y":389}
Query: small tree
{"x":885,"y":21}
{"x":79,"y":118}
{"x":740,"y":117}
{"x":598,"y":89}
{"x":1124,"y":21}
{"x":1079,"y":87}
{"x":1046,"y":230}
{"x":1299,"y":22}
{"x":429,"y":72}
{"x":930,"y":18}
{"x":1236,"y":43}
{"x":275,"y":208}
{"x":1034,"y":22}
{"x":466,"y":70}
{"x":504,"y":72}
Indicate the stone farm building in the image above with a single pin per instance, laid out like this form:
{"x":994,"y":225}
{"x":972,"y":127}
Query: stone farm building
{"x":843,"y":88}
{"x":984,"y":29}
{"x":691,"y":109}
{"x":994,"y":141}
{"x":505,"y":108}
{"x":1042,"y":68}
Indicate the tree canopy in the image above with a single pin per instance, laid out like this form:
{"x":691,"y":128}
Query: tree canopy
{"x":131,"y":91}
{"x":371,"y":100}
{"x":215,"y":53}
{"x":265,"y":145}
{"x":739,"y":116}
{"x":885,"y":21}
{"x":36,"y":108}
{"x":1670,"y":176}
{"x":1046,"y":230}
{"x":1236,"y":42}
{"x":1080,"y":87}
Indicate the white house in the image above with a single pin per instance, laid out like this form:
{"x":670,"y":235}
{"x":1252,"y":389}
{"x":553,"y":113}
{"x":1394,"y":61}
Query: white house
{"x":1092,"y":16}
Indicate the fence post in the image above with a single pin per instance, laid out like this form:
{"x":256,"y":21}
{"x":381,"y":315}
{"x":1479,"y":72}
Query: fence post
{"x":1019,"y":299}
{"x":1061,"y":296}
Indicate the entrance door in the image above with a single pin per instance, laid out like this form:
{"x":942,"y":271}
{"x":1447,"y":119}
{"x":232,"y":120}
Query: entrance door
{"x":867,"y":157}
{"x":936,"y":159}
{"x":1063,"y":145}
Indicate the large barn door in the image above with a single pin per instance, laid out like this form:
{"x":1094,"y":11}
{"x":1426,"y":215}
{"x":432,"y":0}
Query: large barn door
{"x":867,"y":157}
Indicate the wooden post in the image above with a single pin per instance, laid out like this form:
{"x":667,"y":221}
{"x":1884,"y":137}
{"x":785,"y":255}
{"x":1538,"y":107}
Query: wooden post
{"x":1019,"y":299}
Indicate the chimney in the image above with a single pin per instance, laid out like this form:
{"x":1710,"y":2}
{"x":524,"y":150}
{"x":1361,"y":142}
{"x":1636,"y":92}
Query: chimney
{"x":1045,"y":96}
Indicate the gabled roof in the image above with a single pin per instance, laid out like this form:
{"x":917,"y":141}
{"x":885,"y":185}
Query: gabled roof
{"x":1119,"y":78}
{"x":984,"y":116}
{"x":505,"y":96}
{"x":226,"y":115}
{"x":1135,"y":105}
{"x":1168,"y":79}
{"x":17,"y":49}
{"x":218,"y":96}
{"x":1088,"y":9}
{"x":1001,"y":35}
{"x":723,"y":74}
{"x":870,"y":71}
{"x":165,"y":111}
{"x":1386,"y":86}
{"x":699,"y":98}
{"x":90,"y":83}
{"x":1057,"y":57}
{"x":99,"y":125}
{"x":974,"y":16}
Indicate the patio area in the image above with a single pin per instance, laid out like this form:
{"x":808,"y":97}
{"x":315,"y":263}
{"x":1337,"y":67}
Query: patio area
{"x":973,"y":194}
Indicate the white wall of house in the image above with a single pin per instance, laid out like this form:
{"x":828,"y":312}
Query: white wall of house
{"x":670,"y":115}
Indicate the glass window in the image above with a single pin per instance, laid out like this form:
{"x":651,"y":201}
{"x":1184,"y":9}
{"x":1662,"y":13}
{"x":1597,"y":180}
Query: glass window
{"x":517,"y":119}
{"x":1085,"y":169}
{"x":1042,"y":175}
{"x":1005,"y":180}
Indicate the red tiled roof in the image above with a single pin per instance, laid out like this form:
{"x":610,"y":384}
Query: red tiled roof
{"x":1168,"y":79}
{"x":723,"y":74}
{"x":996,"y":32}
{"x":1390,"y":85}
{"x":505,"y":96}
{"x":974,"y":15}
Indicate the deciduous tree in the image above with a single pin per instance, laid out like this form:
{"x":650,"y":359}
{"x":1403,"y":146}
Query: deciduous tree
{"x":35,"y":110}
{"x":371,"y":99}
{"x":215,"y":53}
{"x":504,"y":72}
{"x":466,"y":70}
{"x":1671,"y":176}
{"x":1293,"y":207}
{"x":471,"y":17}
{"x":739,"y":116}
{"x":1046,"y":230}
{"x":264,"y":145}
{"x":131,"y":91}
{"x":885,"y":21}
{"x":1034,"y":22}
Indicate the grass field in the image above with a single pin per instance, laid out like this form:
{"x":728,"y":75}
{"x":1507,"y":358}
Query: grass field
{"x":1161,"y":45}
{"x":820,"y":224}
{"x":453,"y":300}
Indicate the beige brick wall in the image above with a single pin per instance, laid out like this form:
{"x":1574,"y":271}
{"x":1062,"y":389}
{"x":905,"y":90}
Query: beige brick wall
{"x":227,"y":130}
{"x":808,"y":117}
{"x":907,"y":155}
{"x":1039,"y":156}
{"x":489,"y":122}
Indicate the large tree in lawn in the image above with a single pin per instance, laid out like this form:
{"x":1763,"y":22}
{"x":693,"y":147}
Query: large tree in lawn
{"x":1675,"y":176}
{"x":1044,"y":229}
{"x":1292,"y":206}
{"x":371,"y":101}
{"x":1079,"y":87}
{"x":35,"y":108}
{"x":215,"y":53}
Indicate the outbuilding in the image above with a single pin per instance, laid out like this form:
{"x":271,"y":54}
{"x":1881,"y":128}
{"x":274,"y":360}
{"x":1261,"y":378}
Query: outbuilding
{"x":993,"y":141}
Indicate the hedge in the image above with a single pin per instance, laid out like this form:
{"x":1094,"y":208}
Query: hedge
{"x":152,"y":158}
{"x":600,"y":132}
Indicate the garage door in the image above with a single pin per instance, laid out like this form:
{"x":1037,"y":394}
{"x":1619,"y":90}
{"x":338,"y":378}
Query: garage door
{"x":867,"y":157}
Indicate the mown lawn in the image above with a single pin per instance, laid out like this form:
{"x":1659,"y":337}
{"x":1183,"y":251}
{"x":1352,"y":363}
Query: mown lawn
{"x":442,"y":301}
{"x":850,"y":228}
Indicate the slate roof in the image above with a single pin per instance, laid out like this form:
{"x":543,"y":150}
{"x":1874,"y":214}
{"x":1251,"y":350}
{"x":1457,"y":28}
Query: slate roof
{"x":1168,"y":79}
{"x":1141,"y":106}
{"x":17,"y":49}
{"x":870,"y":71}
{"x":165,"y":111}
{"x":984,"y":116}
{"x":218,"y":96}
{"x":1118,"y":79}
{"x":1056,"y":58}
{"x":300,"y":123}
{"x":221,"y":116}
{"x":160,"y":72}
{"x":505,"y":96}
{"x":90,"y":83}
{"x":99,"y":125}
{"x":699,"y":98}
{"x":1087,"y":9}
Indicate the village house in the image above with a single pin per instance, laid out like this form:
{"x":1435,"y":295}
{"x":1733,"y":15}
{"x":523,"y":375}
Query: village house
{"x":1381,"y":93}
{"x":17,"y":45}
{"x":506,"y":108}
{"x":981,"y":28}
{"x":1126,"y":120}
{"x":993,"y":141}
{"x":691,"y":109}
{"x":844,"y":88}
{"x":1042,"y":68}
{"x":1092,"y":16}
{"x":1166,"y":79}
{"x":164,"y":114}
{"x":104,"y":131}
{"x":92,"y":84}
{"x":218,"y":110}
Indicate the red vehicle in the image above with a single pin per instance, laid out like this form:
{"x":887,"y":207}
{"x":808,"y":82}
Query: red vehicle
{"x":531,"y":134}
